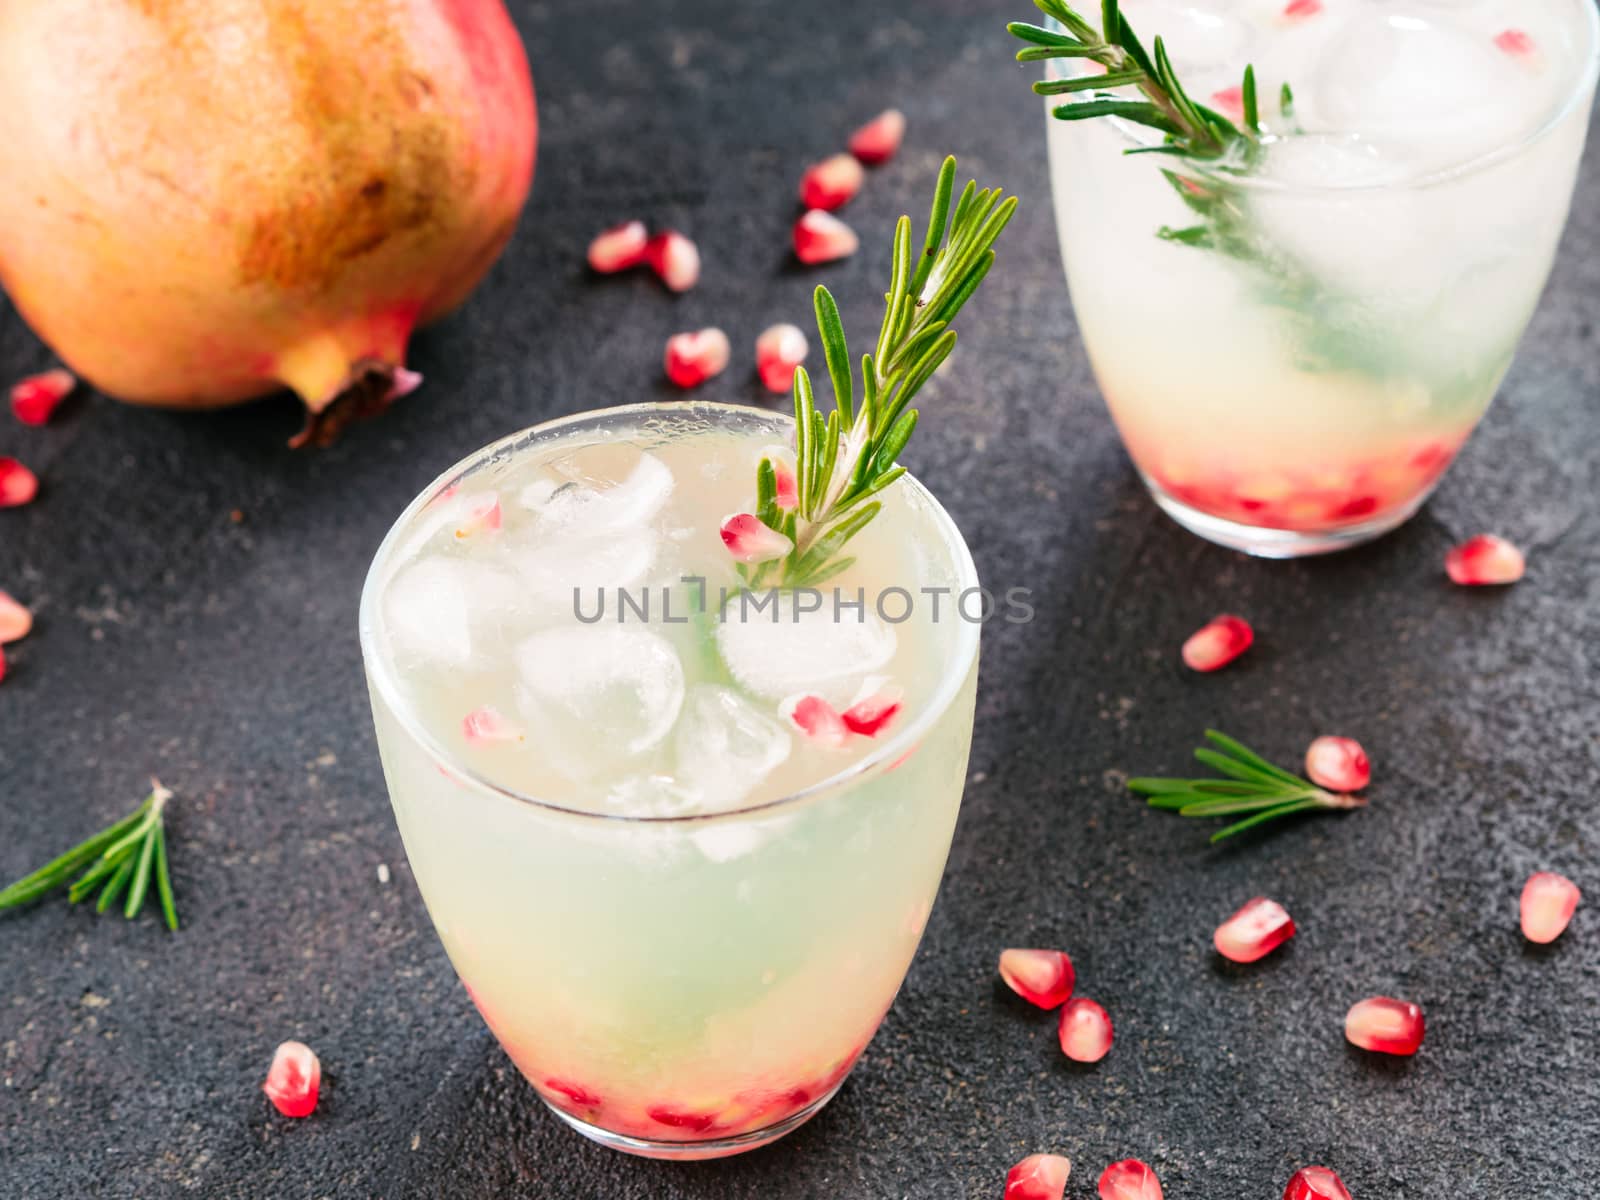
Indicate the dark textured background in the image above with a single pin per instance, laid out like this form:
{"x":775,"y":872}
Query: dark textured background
{"x":223,"y":657}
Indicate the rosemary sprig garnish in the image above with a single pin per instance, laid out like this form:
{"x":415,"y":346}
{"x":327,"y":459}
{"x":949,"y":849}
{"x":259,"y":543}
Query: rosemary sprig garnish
{"x":845,"y":460}
{"x":1253,"y":785}
{"x":124,"y":855}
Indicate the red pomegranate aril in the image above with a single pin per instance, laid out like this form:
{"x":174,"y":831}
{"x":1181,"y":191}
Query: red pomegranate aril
{"x":1315,"y":1183}
{"x":675,"y":259}
{"x":1516,"y":43}
{"x":674,"y":1118}
{"x":294,"y":1080}
{"x":1338,"y":764}
{"x":18,"y":485}
{"x":751,"y":540}
{"x":35,"y":398}
{"x":1085,"y":1031}
{"x":816,"y":718}
{"x":482,"y":515}
{"x":779,"y":350}
{"x":1485,"y":560}
{"x":15,"y":619}
{"x":1385,"y":1025}
{"x":1298,"y":10}
{"x":1548,"y":902}
{"x":1229,"y":102}
{"x":879,"y":139}
{"x":692,"y":358}
{"x":821,"y":237}
{"x":831,"y":183}
{"x":1038,"y":1177}
{"x":619,"y":248}
{"x":872,"y":714}
{"x":1218,"y":643}
{"x":488,"y":724}
{"x":1041,"y":977}
{"x":1253,"y":932}
{"x":1129,"y":1179}
{"x":576,"y":1093}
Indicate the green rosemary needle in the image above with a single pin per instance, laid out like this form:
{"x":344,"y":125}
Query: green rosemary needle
{"x":129,"y":854}
{"x":1253,"y":785}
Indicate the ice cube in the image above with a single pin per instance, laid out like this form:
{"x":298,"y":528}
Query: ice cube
{"x":576,"y":508}
{"x":443,"y":610}
{"x":552,"y":569}
{"x":724,"y":746}
{"x":826,"y":651}
{"x":650,"y":795}
{"x":1200,"y":38}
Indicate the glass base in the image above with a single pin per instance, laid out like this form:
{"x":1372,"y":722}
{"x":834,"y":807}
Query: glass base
{"x":1266,"y":542}
{"x":696,"y":1150}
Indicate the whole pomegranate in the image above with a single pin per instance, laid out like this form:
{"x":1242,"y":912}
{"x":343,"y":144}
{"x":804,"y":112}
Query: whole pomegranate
{"x":205,"y":200}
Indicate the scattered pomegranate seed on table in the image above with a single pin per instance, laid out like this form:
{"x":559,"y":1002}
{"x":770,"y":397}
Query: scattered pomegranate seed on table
{"x":1042,"y":977}
{"x":15,"y":619}
{"x":619,"y":248}
{"x":751,"y":540}
{"x":294,"y":1080}
{"x":1254,"y":932}
{"x":675,"y":259}
{"x":831,"y":183}
{"x":879,"y":139}
{"x":1218,"y":643}
{"x":693,"y":358}
{"x":18,"y":485}
{"x":1385,"y":1025}
{"x":816,"y":718}
{"x":1129,"y":1179}
{"x":1315,"y":1183}
{"x":1338,"y":764}
{"x":34,"y":399}
{"x":821,"y":237}
{"x":1548,"y":902}
{"x":779,"y":350}
{"x":1485,"y":560}
{"x":1038,"y":1177}
{"x":1085,"y":1031}
{"x":489,"y":724}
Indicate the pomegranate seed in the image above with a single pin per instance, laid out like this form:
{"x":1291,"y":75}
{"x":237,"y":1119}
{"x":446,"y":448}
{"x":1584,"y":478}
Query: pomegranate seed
{"x":1038,"y":1177}
{"x":483,"y":513}
{"x":1385,"y":1025}
{"x":1218,"y":643}
{"x":1253,"y":932}
{"x":787,"y":493}
{"x":693,"y":358}
{"x":675,"y":259}
{"x":815,"y":718}
{"x":36,"y":397}
{"x":1129,"y":1179}
{"x":831,"y":183}
{"x":1042,"y":977}
{"x":872,"y":714}
{"x":489,"y":724}
{"x":1085,"y":1031}
{"x":1316,"y":1183}
{"x":1338,"y":764}
{"x":294,"y":1080}
{"x":779,"y":350}
{"x":402,"y":383}
{"x":1485,"y":559}
{"x":619,"y":248}
{"x":578,"y":1094}
{"x":821,"y":237}
{"x":18,"y":485}
{"x":15,"y":619}
{"x":877,"y":141}
{"x":695,"y":1122}
{"x":1298,"y":10}
{"x":1515,"y":43}
{"x":1548,"y":902}
{"x":1229,"y":102}
{"x":749,"y":540}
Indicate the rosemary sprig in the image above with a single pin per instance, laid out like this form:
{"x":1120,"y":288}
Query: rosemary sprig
{"x":845,"y":460}
{"x":125,"y":855}
{"x":1253,"y":785}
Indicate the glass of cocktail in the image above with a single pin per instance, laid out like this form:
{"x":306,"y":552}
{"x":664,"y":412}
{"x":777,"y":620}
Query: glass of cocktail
{"x":1297,"y":330}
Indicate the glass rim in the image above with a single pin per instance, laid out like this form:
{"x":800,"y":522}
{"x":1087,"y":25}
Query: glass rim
{"x":1583,"y":82}
{"x":379,"y":664}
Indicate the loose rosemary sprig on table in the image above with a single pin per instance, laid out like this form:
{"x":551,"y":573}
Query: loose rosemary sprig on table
{"x":125,"y":855}
{"x":841,"y":462}
{"x":1253,"y":785}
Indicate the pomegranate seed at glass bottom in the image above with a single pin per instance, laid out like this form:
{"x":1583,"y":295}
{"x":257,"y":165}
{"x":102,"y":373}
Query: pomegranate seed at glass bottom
{"x":1253,"y":932}
{"x":294,"y":1080}
{"x":1315,"y":1183}
{"x":15,"y":619}
{"x":675,"y":259}
{"x":831,"y":183}
{"x":872,"y":714}
{"x":815,"y":718}
{"x":1385,"y":1025}
{"x":1038,"y":1177}
{"x":779,"y":350}
{"x":1548,"y":902}
{"x":1515,"y":43}
{"x":751,"y":540}
{"x":1338,"y":764}
{"x":1085,"y":1031}
{"x":1485,"y":559}
{"x":693,"y":358}
{"x":1042,"y":977}
{"x":1218,"y":643}
{"x":821,"y":237}
{"x":1129,"y":1179}
{"x":618,"y":248}
{"x":34,"y":399}
{"x":489,"y":724}
{"x":878,"y":140}
{"x":18,"y":485}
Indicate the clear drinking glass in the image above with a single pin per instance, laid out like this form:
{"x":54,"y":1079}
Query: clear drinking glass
{"x":1314,"y":404}
{"x":686,"y":986}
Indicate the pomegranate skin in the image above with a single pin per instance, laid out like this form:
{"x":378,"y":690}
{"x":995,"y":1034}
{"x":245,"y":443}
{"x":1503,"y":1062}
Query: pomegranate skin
{"x":202,"y":201}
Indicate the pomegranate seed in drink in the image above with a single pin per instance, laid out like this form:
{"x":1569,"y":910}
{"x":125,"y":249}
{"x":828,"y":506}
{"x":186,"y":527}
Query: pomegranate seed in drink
{"x":576,"y":1093}
{"x":1385,"y":1025}
{"x":1338,"y":764}
{"x":1218,"y":643}
{"x":786,"y":488}
{"x":831,"y":183}
{"x":779,"y":350}
{"x":35,"y":398}
{"x":1129,"y":1179}
{"x":879,"y":139}
{"x":816,"y":718}
{"x":489,"y":724}
{"x":693,"y":358}
{"x":1299,"y":10}
{"x":1229,"y":102}
{"x":675,"y":259}
{"x":1516,"y":43}
{"x":15,"y":619}
{"x":1038,"y":1177}
{"x":1548,"y":902}
{"x":1041,"y":977}
{"x":821,"y":237}
{"x":1254,"y":932}
{"x":294,"y":1080}
{"x":1085,"y":1031}
{"x":1315,"y":1183}
{"x":18,"y":485}
{"x":618,"y":248}
{"x":872,"y":714}
{"x":751,"y":540}
{"x":1484,"y":560}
